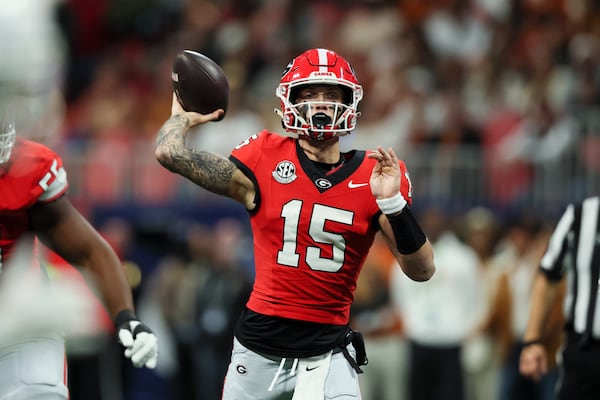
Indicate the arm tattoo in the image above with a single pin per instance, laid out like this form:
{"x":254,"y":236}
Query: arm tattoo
{"x":211,"y":171}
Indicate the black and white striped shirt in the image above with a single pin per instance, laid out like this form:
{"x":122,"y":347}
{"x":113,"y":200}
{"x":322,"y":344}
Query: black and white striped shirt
{"x":574,"y":251}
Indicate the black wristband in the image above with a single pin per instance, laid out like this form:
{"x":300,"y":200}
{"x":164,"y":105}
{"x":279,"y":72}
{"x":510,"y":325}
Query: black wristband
{"x":408,"y":233}
{"x":531,"y":342}
{"x":124,"y":316}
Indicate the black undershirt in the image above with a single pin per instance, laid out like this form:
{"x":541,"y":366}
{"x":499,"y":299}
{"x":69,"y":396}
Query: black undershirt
{"x":283,"y":337}
{"x":328,"y":169}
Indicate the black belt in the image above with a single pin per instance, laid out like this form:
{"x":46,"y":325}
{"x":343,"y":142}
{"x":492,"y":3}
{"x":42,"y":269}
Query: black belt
{"x":358,"y":343}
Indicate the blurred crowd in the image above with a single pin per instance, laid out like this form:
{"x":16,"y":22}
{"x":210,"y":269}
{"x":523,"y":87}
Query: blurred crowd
{"x":489,"y":102}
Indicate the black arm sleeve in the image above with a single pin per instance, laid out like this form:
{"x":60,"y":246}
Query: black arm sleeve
{"x":409,"y":235}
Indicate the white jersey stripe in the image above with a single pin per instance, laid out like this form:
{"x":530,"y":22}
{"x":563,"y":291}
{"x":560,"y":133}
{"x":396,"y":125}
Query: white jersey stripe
{"x":558,"y":237}
{"x":553,"y":252}
{"x":585,"y":250}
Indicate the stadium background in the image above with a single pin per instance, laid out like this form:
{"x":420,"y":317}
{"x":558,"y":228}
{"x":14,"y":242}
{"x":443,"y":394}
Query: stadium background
{"x":491,"y":103}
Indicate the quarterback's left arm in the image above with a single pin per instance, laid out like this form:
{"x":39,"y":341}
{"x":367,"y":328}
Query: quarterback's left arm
{"x":61,"y":227}
{"x":417,"y":265}
{"x":400,"y":229}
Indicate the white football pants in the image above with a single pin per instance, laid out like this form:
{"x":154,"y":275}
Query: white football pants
{"x":252,"y":376}
{"x":34,"y":369}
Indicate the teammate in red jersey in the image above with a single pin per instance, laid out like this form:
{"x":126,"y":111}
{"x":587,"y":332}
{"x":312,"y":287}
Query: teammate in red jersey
{"x":33,"y":205}
{"x":314,"y":212}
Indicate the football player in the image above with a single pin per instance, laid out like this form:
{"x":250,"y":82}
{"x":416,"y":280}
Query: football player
{"x":34,"y":206}
{"x":314,"y":212}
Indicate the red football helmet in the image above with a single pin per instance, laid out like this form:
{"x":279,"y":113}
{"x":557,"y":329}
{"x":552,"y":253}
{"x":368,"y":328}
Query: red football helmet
{"x":318,"y":67}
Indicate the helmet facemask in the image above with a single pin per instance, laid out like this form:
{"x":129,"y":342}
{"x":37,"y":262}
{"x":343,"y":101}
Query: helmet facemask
{"x":7,"y":134}
{"x":320,"y":119}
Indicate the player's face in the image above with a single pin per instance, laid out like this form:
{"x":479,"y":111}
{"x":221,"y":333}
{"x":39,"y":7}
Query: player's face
{"x":320,"y":94}
{"x":322,"y":103}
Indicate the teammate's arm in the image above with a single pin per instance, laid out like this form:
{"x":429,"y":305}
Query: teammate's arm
{"x":64,"y":230}
{"x":209,"y":170}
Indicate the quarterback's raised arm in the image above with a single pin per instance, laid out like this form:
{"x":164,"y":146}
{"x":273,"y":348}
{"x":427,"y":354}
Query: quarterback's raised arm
{"x":211,"y":171}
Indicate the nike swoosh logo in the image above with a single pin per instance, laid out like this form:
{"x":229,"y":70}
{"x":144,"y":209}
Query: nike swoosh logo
{"x":311,"y":368}
{"x":353,"y":185}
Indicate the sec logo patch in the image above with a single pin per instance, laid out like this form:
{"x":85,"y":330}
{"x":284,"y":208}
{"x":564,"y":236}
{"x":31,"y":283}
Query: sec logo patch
{"x":285,"y":172}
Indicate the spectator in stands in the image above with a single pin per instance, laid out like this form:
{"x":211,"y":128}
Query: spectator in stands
{"x":481,"y":354}
{"x":439,"y":317}
{"x":373,"y":314}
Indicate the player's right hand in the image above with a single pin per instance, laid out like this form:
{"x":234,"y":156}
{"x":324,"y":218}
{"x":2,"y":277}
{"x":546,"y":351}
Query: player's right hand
{"x":533,"y":361}
{"x":141,"y":344}
{"x":193,"y":117}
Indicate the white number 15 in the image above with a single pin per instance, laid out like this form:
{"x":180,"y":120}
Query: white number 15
{"x":320,"y":214}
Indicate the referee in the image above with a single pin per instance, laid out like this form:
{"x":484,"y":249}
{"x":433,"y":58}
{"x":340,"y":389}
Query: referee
{"x":573,"y":252}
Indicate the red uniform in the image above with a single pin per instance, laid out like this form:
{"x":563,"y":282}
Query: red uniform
{"x":312,"y":230}
{"x":34,"y":174}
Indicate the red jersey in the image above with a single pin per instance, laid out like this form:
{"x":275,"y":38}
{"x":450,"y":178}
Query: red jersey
{"x":312,"y":230}
{"x":33,"y":174}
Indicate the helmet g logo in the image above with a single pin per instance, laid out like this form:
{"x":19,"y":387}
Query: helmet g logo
{"x":285,"y":172}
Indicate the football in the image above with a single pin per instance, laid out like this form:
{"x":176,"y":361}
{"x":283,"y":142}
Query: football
{"x":200,"y":83}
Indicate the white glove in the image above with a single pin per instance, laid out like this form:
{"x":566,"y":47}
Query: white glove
{"x":141,"y":344}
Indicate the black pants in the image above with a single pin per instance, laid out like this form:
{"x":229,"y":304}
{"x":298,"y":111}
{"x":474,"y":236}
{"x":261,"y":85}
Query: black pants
{"x":435,"y":373}
{"x":579,"y":370}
